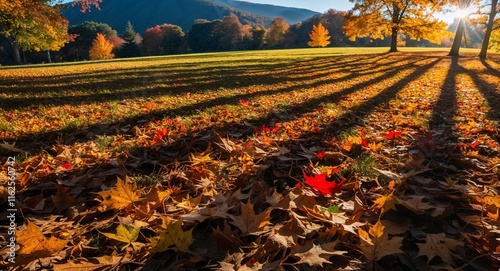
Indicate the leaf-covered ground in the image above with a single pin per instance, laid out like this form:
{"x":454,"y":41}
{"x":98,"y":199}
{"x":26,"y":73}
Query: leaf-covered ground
{"x":325,"y":159}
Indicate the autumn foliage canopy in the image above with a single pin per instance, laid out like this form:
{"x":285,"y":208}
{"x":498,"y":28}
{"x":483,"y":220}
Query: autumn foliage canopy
{"x":101,"y":48}
{"x":319,"y":36}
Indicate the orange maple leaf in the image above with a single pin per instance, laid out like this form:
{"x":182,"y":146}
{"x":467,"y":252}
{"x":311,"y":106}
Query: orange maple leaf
{"x":35,"y":245}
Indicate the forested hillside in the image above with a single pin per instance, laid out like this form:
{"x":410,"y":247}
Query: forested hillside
{"x":144,"y":14}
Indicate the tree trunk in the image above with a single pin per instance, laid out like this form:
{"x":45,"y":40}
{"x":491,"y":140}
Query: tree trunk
{"x":489,"y":28}
{"x":17,"y":54}
{"x":455,"y":48}
{"x":394,"y":40}
{"x":49,"y":60}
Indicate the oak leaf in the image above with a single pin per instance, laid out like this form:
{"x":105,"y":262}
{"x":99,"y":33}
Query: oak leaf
{"x":35,"y":245}
{"x":121,"y":197}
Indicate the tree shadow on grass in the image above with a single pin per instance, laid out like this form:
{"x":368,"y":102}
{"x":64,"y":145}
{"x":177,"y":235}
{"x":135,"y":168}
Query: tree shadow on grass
{"x":158,"y":81}
{"x":69,"y":136}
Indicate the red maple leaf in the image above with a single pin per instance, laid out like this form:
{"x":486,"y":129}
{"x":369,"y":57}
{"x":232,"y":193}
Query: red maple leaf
{"x":244,"y":102}
{"x":319,"y":182}
{"x":364,"y":143}
{"x":67,"y":166}
{"x":160,"y":134}
{"x":392,"y":134}
{"x":474,"y":144}
{"x":320,"y":154}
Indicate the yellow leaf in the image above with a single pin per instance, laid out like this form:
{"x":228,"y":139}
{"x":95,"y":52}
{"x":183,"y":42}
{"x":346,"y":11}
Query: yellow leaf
{"x":35,"y":245}
{"x":375,"y":146}
{"x":120,"y":197}
{"x":172,"y":236}
{"x":377,"y":230}
{"x":385,"y":203}
{"x":124,"y":233}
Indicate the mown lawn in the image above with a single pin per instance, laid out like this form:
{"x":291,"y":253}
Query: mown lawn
{"x":310,"y":159}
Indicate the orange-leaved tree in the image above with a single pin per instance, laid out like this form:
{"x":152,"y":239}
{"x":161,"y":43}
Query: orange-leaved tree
{"x":319,"y":36}
{"x":391,"y":18}
{"x":101,"y":48}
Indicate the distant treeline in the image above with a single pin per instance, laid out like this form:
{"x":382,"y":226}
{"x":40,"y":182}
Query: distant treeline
{"x":227,"y":34}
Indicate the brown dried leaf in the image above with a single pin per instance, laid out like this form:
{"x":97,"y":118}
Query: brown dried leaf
{"x":250,"y":223}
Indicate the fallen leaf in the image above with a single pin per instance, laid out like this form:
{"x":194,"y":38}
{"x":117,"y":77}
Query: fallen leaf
{"x":66,"y":166}
{"x":62,"y":200}
{"x":123,"y":196}
{"x":172,"y":236}
{"x":439,"y":245}
{"x":35,"y":245}
{"x":10,"y":147}
{"x":250,"y":223}
{"x":393,"y":134}
{"x":319,"y":182}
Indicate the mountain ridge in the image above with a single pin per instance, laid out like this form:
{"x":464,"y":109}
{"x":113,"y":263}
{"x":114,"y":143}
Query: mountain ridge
{"x":148,"y":13}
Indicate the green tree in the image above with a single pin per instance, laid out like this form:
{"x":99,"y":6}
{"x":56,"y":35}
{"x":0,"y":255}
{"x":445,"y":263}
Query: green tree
{"x":258,"y":34}
{"x":202,"y":38}
{"x":391,"y":18}
{"x":85,"y":34}
{"x":173,"y":39}
{"x":130,"y":48}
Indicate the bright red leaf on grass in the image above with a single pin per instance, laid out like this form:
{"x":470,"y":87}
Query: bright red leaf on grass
{"x":364,"y":143}
{"x":474,"y":144}
{"x":393,"y":134}
{"x":244,"y":102}
{"x":160,"y":134}
{"x":67,"y":166}
{"x":319,"y":182}
{"x":265,"y":129}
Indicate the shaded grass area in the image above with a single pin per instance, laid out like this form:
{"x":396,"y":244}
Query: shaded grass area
{"x":157,"y":119}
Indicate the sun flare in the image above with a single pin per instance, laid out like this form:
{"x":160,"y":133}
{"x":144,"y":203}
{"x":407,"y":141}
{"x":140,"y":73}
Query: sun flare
{"x":462,"y":13}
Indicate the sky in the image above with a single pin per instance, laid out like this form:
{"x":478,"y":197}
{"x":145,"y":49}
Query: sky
{"x":322,"y":6}
{"x":315,"y":5}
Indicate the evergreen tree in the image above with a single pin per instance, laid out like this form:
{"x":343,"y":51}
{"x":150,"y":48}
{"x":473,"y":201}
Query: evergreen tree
{"x":130,"y":48}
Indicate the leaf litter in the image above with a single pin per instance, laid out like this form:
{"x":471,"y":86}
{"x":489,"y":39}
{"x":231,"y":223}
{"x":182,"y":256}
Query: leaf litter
{"x":395,"y":167}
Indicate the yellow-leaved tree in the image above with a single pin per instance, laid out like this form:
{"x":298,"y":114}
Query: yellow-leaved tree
{"x":391,"y":18}
{"x":101,"y":48}
{"x":319,"y":36}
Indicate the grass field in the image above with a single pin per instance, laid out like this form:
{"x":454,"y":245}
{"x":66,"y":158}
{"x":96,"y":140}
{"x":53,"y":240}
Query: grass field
{"x":308,"y":159}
